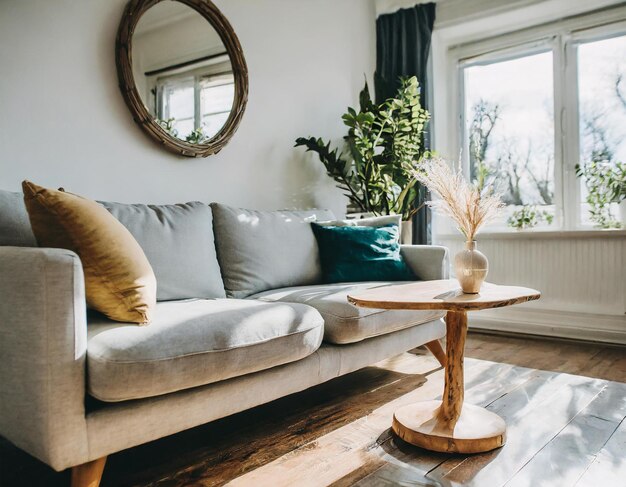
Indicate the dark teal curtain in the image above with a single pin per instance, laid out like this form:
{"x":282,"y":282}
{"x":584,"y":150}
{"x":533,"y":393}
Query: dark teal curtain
{"x":402,"y":48}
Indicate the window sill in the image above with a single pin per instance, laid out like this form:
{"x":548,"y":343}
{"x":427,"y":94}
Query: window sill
{"x":538,"y":234}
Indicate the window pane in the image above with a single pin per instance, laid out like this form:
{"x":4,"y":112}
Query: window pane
{"x":183,"y":126}
{"x":509,"y":127}
{"x":211,"y":124}
{"x":602,"y":121}
{"x":179,"y":100}
{"x":217,"y":98}
{"x":178,"y":104}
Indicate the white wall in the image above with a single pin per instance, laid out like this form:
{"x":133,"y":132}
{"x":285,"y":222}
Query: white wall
{"x":63,"y":121}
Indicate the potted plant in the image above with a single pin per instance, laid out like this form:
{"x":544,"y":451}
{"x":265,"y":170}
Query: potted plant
{"x":470,"y":206}
{"x":606,"y":184}
{"x":384,"y":145}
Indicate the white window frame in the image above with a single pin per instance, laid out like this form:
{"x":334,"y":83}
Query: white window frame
{"x":215,"y":67}
{"x":562,"y":38}
{"x":572,"y":41}
{"x":199,"y":77}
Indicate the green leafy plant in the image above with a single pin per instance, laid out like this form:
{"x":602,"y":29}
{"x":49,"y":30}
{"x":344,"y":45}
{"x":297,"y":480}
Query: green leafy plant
{"x":168,"y":126}
{"x":197,"y":136}
{"x":528,"y":217}
{"x":384,"y":145}
{"x":617,"y":182}
{"x":606,"y":184}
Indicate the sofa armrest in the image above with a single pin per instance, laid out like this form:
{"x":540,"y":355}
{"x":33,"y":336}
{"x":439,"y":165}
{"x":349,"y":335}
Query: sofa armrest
{"x":428,"y":262}
{"x":43,"y":344}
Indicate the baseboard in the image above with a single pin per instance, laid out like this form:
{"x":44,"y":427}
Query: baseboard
{"x":552,"y":323}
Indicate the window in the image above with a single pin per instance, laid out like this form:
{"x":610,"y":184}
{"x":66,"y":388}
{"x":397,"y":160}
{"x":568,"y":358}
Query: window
{"x":176,"y":102}
{"x":195,"y":104}
{"x":509,"y":127}
{"x":602,"y":122}
{"x":543,"y":117}
{"x":216,"y":99}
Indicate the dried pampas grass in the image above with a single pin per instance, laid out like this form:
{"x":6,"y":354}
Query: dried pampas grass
{"x":469,"y":206}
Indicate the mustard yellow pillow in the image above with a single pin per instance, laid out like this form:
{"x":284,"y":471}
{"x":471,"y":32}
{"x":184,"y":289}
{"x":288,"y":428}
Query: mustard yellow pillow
{"x":119,"y":281}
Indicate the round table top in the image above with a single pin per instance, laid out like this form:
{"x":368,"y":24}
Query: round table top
{"x":444,"y":294}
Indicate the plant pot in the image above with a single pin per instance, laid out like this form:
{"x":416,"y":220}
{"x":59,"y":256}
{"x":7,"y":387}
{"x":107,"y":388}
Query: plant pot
{"x":471,"y":267}
{"x":406,"y":232}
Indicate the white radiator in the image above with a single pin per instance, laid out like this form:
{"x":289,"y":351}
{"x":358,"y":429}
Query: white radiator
{"x":582,"y":280}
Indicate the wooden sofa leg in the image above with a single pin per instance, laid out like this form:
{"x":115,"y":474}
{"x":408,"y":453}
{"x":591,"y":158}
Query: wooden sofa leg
{"x":88,"y":474}
{"x":437,"y":350}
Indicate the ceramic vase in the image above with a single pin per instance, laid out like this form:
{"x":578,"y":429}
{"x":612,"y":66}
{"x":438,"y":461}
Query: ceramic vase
{"x":471,"y":268}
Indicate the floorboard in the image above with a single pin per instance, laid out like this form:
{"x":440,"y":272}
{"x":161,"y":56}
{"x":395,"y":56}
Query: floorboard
{"x":609,"y":465}
{"x":565,"y":458}
{"x":534,"y":415}
{"x":564,"y":403}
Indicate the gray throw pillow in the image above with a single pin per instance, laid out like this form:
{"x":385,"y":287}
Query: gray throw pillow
{"x":261,"y":250}
{"x":15,"y":227}
{"x":178,"y":241}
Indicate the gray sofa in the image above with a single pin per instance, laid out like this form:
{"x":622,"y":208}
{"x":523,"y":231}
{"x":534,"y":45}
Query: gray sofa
{"x":242,"y":319}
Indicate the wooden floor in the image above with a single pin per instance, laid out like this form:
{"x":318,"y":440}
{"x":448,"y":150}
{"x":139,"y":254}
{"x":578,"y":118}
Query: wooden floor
{"x":564,"y":404}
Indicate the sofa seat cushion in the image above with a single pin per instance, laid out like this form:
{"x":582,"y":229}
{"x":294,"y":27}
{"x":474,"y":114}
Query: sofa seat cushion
{"x":196,"y":342}
{"x":344,"y":322}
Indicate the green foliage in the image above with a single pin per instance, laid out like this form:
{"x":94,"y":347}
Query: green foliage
{"x":384,"y":146}
{"x":195,"y":137}
{"x":168,"y":126}
{"x":528,"y":217}
{"x":606,"y":184}
{"x":617,"y":182}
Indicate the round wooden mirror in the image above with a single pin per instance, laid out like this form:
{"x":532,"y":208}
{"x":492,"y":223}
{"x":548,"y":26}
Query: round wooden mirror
{"x":182,"y":73}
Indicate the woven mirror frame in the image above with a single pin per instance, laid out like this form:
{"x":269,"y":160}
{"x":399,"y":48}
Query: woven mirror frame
{"x":123,"y":59}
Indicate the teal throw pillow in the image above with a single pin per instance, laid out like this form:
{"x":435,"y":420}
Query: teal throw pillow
{"x":354,"y":254}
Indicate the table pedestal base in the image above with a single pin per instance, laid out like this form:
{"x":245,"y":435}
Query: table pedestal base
{"x":476,"y":429}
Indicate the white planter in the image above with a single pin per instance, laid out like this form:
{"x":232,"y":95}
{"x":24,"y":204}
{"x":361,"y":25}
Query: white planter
{"x":622,"y":212}
{"x":406,"y":232}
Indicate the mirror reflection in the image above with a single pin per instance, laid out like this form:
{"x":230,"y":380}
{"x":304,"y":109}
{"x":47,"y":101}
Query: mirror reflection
{"x":182,"y":71}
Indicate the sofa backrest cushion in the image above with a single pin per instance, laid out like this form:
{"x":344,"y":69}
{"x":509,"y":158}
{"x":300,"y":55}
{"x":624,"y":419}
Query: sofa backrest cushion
{"x":15,"y":227}
{"x":262,"y":250}
{"x":178,"y":241}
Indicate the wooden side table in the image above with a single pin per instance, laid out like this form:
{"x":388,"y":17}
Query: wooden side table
{"x":447,"y":425}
